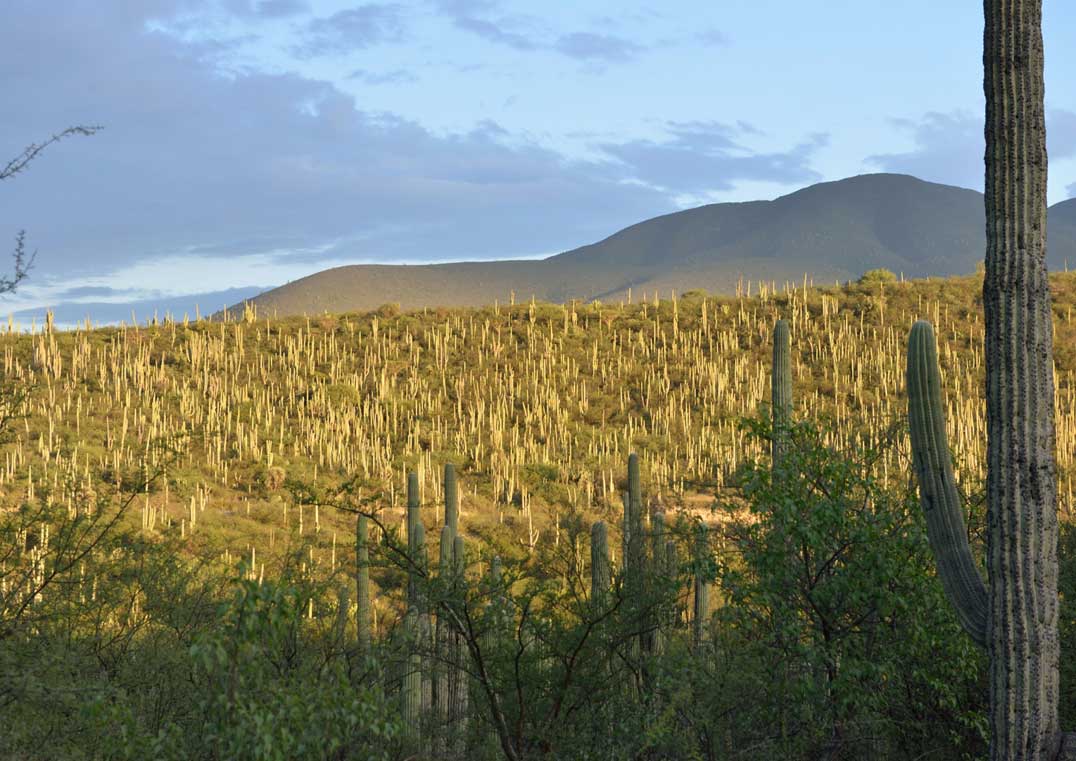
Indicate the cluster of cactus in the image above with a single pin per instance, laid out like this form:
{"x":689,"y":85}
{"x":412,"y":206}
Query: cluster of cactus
{"x":415,"y":686}
{"x":449,"y":678}
{"x":435,"y":689}
{"x":643,"y":572}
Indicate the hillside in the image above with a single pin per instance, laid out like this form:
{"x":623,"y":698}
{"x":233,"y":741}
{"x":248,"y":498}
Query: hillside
{"x":261,"y":438}
{"x":537,"y":404}
{"x":831,"y":231}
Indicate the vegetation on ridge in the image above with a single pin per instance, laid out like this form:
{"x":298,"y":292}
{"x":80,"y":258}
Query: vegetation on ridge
{"x":260,"y":439}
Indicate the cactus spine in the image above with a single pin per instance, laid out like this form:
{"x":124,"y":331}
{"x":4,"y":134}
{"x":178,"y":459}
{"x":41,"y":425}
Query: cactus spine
{"x":781,"y":387}
{"x":1015,"y":614}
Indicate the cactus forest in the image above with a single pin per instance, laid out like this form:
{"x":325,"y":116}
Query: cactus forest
{"x":782,"y":524}
{"x":677,"y":528}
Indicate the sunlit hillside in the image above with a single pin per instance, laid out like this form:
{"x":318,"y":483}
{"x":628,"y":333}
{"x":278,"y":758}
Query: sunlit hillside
{"x":181,"y":498}
{"x":538,"y":405}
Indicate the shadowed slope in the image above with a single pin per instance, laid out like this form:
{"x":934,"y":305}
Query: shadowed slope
{"x":830,"y":231}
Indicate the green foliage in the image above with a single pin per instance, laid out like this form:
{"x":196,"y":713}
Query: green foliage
{"x":265,"y":695}
{"x":1066,"y":555}
{"x":830,"y":591}
{"x":130,"y":649}
{"x":877,"y":276}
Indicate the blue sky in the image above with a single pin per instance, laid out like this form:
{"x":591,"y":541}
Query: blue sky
{"x":251,"y":142}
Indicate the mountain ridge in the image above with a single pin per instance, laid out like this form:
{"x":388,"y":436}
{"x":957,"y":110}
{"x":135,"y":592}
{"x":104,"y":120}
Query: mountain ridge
{"x":829,"y":231}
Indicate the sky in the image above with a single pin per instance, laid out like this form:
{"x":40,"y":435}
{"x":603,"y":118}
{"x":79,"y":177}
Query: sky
{"x":248,"y":143}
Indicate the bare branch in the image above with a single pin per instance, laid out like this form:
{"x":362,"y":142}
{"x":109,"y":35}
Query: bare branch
{"x":33,"y":150}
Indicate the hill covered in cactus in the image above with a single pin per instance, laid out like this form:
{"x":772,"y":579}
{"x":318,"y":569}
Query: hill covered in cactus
{"x":453,"y":524}
{"x":833,"y":231}
{"x":537,"y":404}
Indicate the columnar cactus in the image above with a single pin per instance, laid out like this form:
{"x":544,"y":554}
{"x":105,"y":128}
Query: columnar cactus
{"x":452,"y":499}
{"x":412,"y":682}
{"x":458,"y":693}
{"x":658,"y":574}
{"x":657,"y":543}
{"x":600,"y":577}
{"x":362,"y":584}
{"x":1015,"y":613}
{"x":497,"y":615}
{"x":672,"y":567}
{"x":446,"y":564}
{"x":780,"y":387}
{"x":443,"y":638}
{"x":634,"y":549}
{"x":415,"y":537}
{"x":701,"y":612}
{"x":937,"y":486}
{"x":416,"y":687}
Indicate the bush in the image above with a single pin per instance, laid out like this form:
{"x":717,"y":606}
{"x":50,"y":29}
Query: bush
{"x":880,"y":275}
{"x":831,"y":593}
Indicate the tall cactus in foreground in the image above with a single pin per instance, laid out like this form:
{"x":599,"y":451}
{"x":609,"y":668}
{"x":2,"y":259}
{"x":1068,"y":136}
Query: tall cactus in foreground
{"x":672,"y":566}
{"x":937,"y":486}
{"x":362,"y":584}
{"x":452,"y":499}
{"x":458,"y":692}
{"x":781,"y":387}
{"x":1015,"y":613}
{"x":415,"y":536}
{"x":634,"y":544}
{"x":443,"y":639}
{"x":496,"y":625}
{"x":701,"y":613}
{"x":416,"y":623}
{"x":412,"y":684}
{"x":657,"y":576}
{"x":1021,"y":548}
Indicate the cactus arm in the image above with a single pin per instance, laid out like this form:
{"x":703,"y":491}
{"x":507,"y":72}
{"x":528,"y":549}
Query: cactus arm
{"x":938,"y":495}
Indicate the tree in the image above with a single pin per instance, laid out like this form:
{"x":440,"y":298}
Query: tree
{"x":828,"y":606}
{"x":1014,"y":616}
{"x":22,"y":262}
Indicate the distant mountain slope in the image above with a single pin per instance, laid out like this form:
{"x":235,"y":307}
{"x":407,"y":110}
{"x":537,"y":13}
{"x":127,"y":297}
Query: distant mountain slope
{"x":830,"y":231}
{"x":1061,"y":235}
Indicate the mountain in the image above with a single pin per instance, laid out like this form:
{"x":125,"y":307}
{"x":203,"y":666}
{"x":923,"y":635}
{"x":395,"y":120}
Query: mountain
{"x":829,"y":231}
{"x":1061,"y":235}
